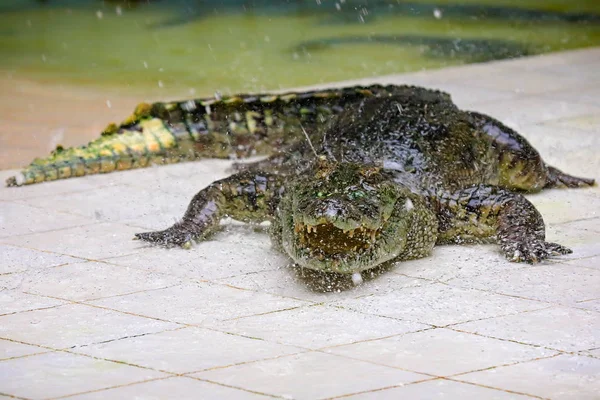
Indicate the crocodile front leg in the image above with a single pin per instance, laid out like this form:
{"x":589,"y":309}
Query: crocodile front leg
{"x":247,"y":197}
{"x":484,"y":211}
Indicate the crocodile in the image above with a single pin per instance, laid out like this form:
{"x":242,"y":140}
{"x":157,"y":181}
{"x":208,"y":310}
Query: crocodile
{"x":354,"y":178}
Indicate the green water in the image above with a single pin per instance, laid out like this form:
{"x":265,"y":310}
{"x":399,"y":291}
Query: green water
{"x":232,"y":46}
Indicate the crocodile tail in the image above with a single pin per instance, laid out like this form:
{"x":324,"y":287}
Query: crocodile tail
{"x":150,"y":142}
{"x":236,"y":126}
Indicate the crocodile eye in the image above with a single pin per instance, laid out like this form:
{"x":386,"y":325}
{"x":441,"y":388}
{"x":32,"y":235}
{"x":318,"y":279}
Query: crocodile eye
{"x":357,"y":194}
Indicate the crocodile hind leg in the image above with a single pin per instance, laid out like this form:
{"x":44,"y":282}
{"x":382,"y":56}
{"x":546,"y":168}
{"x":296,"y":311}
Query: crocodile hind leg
{"x":247,"y":196}
{"x":557,"y":178}
{"x":491,"y":212}
{"x":521,"y":166}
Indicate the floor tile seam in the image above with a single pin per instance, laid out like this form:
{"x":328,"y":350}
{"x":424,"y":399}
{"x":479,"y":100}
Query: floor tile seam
{"x":508,"y":364}
{"x":561,"y":351}
{"x":72,"y":350}
{"x":177,"y":275}
{"x":12,"y":396}
{"x":66,"y":303}
{"x":325,"y":349}
{"x":350,"y":308}
{"x":41,"y":269}
{"x":50,"y":252}
{"x":380,"y":364}
{"x":20,"y":235}
{"x":343,"y":396}
{"x":274,"y":294}
{"x":108,"y":388}
{"x":581,"y":354}
{"x":219,"y":367}
{"x":83,"y":303}
{"x":546,"y":303}
{"x":584,"y":219}
{"x":497,"y":388}
{"x":236,"y":387}
{"x":127,"y":294}
{"x":450,"y":284}
{"x":310,"y":305}
{"x":109,"y":360}
{"x":558,"y":353}
{"x":24,"y":356}
{"x":41,"y":346}
{"x":587,"y":300}
{"x":183,"y":325}
{"x":75,"y":348}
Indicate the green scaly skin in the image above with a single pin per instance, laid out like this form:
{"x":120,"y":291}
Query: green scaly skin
{"x":356,"y":177}
{"x":228,"y":127}
{"x":385,"y":180}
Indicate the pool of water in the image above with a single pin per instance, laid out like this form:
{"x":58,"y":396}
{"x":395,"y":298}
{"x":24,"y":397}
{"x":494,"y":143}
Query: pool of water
{"x":233,"y":46}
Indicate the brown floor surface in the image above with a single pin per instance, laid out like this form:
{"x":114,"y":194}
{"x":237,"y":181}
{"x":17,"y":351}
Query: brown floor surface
{"x":35,"y":116}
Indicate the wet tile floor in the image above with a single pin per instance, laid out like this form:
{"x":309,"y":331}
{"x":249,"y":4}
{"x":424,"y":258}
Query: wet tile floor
{"x":86,"y":313}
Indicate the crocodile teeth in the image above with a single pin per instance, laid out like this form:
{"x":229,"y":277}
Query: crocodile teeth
{"x":373,"y":234}
{"x":351,"y":233}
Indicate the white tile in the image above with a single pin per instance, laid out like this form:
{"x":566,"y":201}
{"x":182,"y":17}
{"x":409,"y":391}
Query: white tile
{"x":524,"y":82}
{"x":561,"y":205}
{"x":121,"y":203}
{"x":323,"y":376}
{"x":569,"y":149}
{"x":586,"y":94}
{"x":187,"y":350}
{"x":75,"y":325}
{"x":14,"y":301}
{"x":317,"y":326}
{"x":453,"y":352}
{"x":555,"y":283}
{"x":94,"y":241}
{"x":305,"y":284}
{"x":594,"y":353}
{"x":21,"y":219}
{"x":528,"y":110}
{"x":439,"y":304}
{"x":198,"y":303}
{"x":587,"y":122}
{"x":438,"y":389}
{"x":93,"y":280}
{"x":586,"y":262}
{"x":65,"y":187}
{"x":181,"y":388}
{"x":11,"y":349}
{"x":15,"y":259}
{"x":561,"y":328}
{"x":60,"y":374}
{"x":205,"y":261}
{"x":561,"y":377}
{"x":589,"y":304}
{"x":458,"y":262}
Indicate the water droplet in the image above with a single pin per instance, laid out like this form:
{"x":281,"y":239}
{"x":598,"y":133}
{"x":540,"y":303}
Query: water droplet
{"x":99,"y":14}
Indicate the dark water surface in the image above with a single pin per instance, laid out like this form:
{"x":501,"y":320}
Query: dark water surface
{"x":231,"y":46}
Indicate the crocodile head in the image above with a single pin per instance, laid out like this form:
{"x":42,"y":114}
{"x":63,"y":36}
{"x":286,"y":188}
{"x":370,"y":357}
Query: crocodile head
{"x":344,"y":217}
